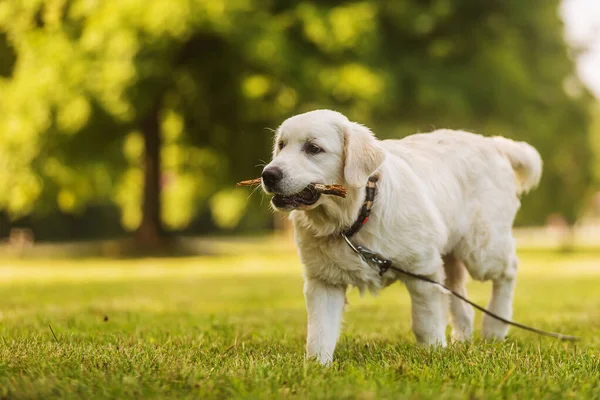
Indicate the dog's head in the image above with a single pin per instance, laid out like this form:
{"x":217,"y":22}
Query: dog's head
{"x":318,"y":147}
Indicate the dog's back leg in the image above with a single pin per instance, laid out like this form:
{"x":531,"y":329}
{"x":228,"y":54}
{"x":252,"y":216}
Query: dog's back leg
{"x":461,"y":314}
{"x":501,"y":302}
{"x":495,"y":260}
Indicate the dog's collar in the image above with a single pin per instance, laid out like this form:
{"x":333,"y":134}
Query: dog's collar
{"x":365,"y":210}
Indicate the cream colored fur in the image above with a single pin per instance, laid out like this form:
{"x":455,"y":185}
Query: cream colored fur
{"x":445,"y":206}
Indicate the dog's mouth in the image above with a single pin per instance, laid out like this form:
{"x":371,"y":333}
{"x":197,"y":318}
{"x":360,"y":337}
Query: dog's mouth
{"x":306,"y":197}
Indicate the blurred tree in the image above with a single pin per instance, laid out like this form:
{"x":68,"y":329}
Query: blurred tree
{"x":160,"y":105}
{"x":91,"y":109}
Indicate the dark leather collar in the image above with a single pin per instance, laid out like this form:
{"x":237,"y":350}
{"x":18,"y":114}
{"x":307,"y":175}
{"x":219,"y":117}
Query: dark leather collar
{"x":365,"y":210}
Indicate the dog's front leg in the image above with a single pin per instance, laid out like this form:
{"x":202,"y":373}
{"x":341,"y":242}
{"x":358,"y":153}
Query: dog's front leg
{"x":324,"y":305}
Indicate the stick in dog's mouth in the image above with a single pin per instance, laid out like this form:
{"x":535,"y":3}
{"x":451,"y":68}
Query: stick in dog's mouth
{"x":333,"y":190}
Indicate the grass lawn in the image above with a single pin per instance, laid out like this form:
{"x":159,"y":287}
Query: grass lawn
{"x":234,"y":326}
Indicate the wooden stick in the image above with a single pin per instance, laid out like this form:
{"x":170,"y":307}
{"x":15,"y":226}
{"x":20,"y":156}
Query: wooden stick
{"x":251,"y":182}
{"x":334,"y":190}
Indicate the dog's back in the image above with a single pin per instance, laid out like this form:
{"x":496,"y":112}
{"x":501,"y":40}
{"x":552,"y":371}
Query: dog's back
{"x":473,"y":180}
{"x":469,"y":160}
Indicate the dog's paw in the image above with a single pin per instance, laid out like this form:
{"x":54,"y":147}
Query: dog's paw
{"x":493,"y":329}
{"x":462,"y":333}
{"x":324,"y":359}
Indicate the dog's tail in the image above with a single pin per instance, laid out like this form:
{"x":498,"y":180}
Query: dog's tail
{"x":525,"y":160}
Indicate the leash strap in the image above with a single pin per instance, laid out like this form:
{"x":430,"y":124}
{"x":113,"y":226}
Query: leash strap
{"x":384,"y":265}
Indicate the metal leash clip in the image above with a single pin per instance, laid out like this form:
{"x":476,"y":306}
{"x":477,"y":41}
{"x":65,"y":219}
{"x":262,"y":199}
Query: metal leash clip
{"x":369,"y":256}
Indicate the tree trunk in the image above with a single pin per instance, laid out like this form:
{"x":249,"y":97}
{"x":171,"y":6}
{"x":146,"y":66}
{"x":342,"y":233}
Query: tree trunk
{"x":568,"y":243}
{"x":150,"y":233}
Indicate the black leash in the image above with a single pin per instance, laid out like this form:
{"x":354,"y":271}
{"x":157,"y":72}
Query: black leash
{"x":384,"y":265}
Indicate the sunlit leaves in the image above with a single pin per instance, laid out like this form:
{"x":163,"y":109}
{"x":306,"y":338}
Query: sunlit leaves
{"x":172,"y":126}
{"x":128,"y":195}
{"x":133,"y":147}
{"x":256,"y":86}
{"x":188,"y":180}
{"x":87,"y":73}
{"x":354,"y":81}
{"x":73,"y":116}
{"x":19,"y":190}
{"x":228,"y":206}
{"x":180,"y":192}
{"x":334,"y":30}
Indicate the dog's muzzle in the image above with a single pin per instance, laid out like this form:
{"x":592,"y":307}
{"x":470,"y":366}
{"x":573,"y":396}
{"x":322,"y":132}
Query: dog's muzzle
{"x":306,"y":197}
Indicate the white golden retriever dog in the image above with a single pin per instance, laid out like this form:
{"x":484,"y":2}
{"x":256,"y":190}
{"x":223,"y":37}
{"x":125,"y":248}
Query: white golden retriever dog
{"x":444,"y":206}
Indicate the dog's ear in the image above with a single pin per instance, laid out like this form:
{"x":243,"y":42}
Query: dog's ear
{"x":276,"y":143}
{"x":362,"y":154}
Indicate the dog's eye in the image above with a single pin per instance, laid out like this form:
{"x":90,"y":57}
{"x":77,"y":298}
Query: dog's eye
{"x":280,"y":145}
{"x":312,"y":148}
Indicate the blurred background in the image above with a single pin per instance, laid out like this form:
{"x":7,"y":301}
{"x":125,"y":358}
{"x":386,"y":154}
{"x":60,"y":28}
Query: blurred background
{"x":130,"y":121}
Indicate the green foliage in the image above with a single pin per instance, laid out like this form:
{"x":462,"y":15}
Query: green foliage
{"x":86,"y":73}
{"x":234,"y":327}
{"x":78,"y":77}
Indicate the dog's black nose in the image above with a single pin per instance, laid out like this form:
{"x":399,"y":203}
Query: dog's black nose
{"x":271,"y":176}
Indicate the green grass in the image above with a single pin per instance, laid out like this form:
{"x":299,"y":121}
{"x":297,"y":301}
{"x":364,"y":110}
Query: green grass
{"x":224,"y":327}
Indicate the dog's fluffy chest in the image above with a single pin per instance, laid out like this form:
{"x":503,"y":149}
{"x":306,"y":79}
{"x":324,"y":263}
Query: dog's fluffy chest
{"x":330,"y":260}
